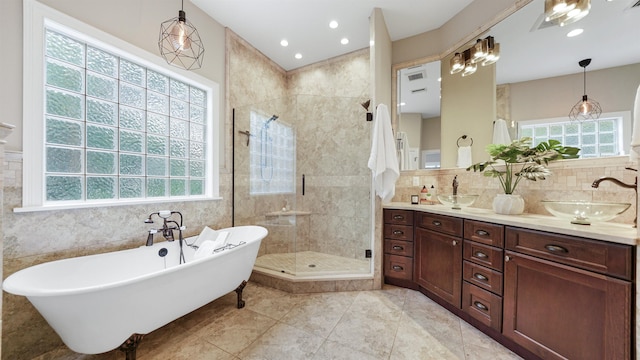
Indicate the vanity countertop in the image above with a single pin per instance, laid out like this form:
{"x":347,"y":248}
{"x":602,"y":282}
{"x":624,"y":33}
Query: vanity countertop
{"x":606,"y":231}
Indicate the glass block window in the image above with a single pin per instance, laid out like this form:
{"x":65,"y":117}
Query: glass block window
{"x":272,"y":152}
{"x":116,"y":129}
{"x":598,"y":138}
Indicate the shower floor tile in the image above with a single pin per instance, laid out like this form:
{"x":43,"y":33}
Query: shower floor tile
{"x":312,"y":263}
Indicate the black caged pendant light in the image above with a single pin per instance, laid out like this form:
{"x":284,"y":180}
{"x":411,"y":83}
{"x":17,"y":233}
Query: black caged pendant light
{"x":585,"y":109}
{"x":180,"y":43}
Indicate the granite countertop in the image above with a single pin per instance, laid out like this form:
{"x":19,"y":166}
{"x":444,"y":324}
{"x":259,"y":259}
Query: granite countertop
{"x":606,"y":231}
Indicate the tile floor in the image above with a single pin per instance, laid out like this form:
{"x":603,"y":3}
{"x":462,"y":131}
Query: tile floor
{"x":393,"y":323}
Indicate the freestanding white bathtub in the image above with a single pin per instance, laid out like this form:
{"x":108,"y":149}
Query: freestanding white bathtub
{"x":101,"y":302}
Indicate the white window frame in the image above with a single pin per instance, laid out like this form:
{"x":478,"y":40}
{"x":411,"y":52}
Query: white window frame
{"x":624,"y":127}
{"x":38,"y":16}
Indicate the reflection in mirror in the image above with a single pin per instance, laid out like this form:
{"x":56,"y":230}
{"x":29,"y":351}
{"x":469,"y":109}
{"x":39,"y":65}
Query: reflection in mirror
{"x":418,"y":113}
{"x":539,"y":78}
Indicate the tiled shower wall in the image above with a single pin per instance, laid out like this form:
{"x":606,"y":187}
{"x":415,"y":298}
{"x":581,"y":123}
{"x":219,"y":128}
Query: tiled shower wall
{"x":322,"y":103}
{"x":570,"y":180}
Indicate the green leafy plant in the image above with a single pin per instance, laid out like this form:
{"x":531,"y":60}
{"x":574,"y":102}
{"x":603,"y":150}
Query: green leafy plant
{"x":521,"y":161}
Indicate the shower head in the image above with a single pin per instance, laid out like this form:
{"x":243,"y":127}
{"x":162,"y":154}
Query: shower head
{"x":366,"y":104}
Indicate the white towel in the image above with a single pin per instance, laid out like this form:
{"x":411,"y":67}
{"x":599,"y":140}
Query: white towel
{"x":501,"y":133}
{"x":383,"y":160}
{"x":634,"y":154}
{"x":464,"y":157}
{"x":206,"y":248}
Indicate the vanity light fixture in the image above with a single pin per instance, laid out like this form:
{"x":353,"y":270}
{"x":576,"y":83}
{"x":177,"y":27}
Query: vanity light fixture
{"x":179,"y":42}
{"x":470,"y":67}
{"x":484,"y":52}
{"x":585,"y":109}
{"x":456,"y":64}
{"x":564,"y":12}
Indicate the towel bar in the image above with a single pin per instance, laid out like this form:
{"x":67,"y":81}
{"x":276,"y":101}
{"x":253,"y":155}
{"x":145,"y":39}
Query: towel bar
{"x":464,"y":137}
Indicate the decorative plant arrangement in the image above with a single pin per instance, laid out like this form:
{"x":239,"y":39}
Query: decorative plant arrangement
{"x":521,"y":161}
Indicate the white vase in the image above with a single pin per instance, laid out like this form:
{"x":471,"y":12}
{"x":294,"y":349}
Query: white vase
{"x":508,"y":204}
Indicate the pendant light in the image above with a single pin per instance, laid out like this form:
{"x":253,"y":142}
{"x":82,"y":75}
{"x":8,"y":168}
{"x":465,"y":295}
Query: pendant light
{"x":585,"y":109}
{"x":180,"y":43}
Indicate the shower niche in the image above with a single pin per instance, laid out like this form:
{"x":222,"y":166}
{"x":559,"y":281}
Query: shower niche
{"x":300,"y":170}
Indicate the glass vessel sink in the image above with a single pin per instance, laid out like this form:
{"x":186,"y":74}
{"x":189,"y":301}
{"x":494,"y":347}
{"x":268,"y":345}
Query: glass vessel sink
{"x":457,"y":201}
{"x":584,"y":212}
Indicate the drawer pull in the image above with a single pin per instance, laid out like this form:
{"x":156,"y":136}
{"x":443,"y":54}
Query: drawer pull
{"x":397,"y":247}
{"x":480,"y":277}
{"x":482,"y":233}
{"x":436,"y":223}
{"x":556,"y":249}
{"x":480,"y":255}
{"x":398,"y":217}
{"x":398,"y":232}
{"x":480,"y":306}
{"x":397,"y":268}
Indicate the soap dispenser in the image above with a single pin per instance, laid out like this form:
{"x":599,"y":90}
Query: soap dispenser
{"x":432,"y":192}
{"x":424,"y":195}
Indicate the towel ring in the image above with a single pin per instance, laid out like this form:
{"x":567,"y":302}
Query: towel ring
{"x":464,"y":137}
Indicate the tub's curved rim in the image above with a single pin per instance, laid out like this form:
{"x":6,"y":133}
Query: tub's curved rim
{"x":11,"y":283}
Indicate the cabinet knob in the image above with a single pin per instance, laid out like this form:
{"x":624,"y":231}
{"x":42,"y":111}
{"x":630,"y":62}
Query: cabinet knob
{"x":398,"y":217}
{"x":480,"y":255}
{"x":398,"y":232}
{"x":454,"y":242}
{"x":480,"y":277}
{"x":556,"y":249}
{"x":507,"y":258}
{"x":482,"y":233}
{"x":436,"y":223}
{"x":397,"y":247}
{"x":397,"y":268}
{"x":480,"y":306}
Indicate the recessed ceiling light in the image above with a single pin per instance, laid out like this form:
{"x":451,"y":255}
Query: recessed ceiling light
{"x":344,"y":41}
{"x":574,"y":32}
{"x":298,"y":56}
{"x":284,"y":42}
{"x":333,"y":24}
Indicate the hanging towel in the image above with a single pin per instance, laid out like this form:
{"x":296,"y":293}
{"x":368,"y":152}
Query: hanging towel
{"x":464,"y":157}
{"x":634,"y":154}
{"x":501,"y":133}
{"x":383,"y":160}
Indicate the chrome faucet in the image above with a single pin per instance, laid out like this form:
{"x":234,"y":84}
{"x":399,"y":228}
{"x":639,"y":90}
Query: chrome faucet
{"x":633,"y":186}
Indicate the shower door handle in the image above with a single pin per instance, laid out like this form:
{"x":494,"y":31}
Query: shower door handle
{"x":302,"y":184}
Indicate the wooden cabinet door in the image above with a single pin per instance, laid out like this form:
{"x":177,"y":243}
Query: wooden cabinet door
{"x":560,"y":312}
{"x":438,"y":264}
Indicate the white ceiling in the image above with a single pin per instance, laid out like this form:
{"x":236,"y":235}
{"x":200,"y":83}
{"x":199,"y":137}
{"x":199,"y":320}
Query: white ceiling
{"x":305,"y":23}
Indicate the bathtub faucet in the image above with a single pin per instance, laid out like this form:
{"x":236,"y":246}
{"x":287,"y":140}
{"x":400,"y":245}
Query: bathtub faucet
{"x":168,"y":225}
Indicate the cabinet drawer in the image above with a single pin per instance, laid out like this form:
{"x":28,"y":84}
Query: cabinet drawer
{"x":399,"y":232}
{"x":483,"y":277}
{"x":446,"y":224}
{"x":607,"y":258}
{"x":482,"y":305}
{"x":399,"y":267}
{"x":400,"y":217}
{"x":483,"y":254}
{"x":482,"y":232}
{"x":398,"y":247}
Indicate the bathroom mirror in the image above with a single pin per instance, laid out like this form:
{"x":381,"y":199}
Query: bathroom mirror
{"x":538,"y":76}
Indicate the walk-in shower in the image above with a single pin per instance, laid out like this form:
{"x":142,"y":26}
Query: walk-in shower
{"x":319,"y":227}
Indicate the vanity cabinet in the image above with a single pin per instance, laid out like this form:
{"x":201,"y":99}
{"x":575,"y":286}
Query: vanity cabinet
{"x":398,"y":247}
{"x":482,"y":272}
{"x":438,"y":256}
{"x":567,"y":297}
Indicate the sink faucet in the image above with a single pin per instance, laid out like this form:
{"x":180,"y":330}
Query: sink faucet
{"x":455,"y":185}
{"x":633,"y":186}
